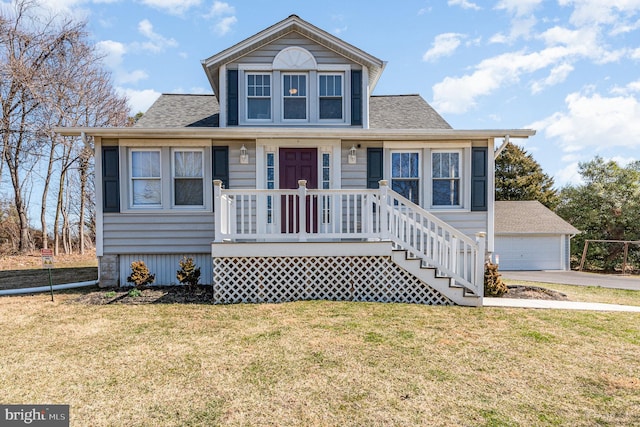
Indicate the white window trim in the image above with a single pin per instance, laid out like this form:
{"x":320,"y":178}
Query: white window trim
{"x":462,"y":187}
{"x":343,"y":96}
{"x":307,"y":97}
{"x":164,"y":146}
{"x":131,"y":179}
{"x":244,"y":96}
{"x":420,"y":153}
{"x":173,"y":178}
{"x":313,"y":110}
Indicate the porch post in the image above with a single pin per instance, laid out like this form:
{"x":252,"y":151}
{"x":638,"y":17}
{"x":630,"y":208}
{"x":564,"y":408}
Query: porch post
{"x":217,"y":209}
{"x":302,"y":210}
{"x":481,"y":240}
{"x":384,"y":211}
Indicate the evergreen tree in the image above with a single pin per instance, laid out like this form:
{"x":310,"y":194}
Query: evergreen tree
{"x":520,"y":177}
{"x":606,"y":206}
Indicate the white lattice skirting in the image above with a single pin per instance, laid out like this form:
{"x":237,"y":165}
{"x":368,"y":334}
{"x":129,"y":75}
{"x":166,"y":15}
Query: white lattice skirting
{"x":337,"y":278}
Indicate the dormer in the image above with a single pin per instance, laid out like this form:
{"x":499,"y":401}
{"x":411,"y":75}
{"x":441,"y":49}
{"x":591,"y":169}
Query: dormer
{"x":293,"y":74}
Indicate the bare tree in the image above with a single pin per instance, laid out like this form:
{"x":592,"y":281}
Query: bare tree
{"x":50,"y":75}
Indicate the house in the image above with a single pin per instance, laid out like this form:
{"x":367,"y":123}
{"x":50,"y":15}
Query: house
{"x":529,"y":236}
{"x":294,"y":182}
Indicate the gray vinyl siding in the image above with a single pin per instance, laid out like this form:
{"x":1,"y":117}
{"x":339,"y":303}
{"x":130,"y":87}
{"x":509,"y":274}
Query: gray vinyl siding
{"x":267,"y":53}
{"x":241,"y":176}
{"x":467,"y":222}
{"x":165,"y":266}
{"x":178,"y":233}
{"x":355,"y":176}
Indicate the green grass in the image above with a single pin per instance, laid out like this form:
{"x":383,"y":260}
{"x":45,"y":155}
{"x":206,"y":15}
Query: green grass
{"x":320,"y":363}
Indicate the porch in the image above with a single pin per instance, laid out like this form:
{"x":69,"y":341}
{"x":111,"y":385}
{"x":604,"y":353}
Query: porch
{"x":365,"y":245}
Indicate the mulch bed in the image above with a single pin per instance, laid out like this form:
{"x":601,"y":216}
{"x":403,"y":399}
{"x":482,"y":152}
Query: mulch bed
{"x":204,"y":295}
{"x":533,"y":292}
{"x":154,"y":295}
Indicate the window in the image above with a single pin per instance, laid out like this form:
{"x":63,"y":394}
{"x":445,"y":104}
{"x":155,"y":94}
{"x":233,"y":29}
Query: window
{"x":405,"y":175}
{"x":259,"y":96}
{"x":294,"y":92}
{"x":330,"y":93}
{"x":146,"y":189}
{"x":271,"y":184}
{"x":446,"y":178}
{"x":326,"y":184}
{"x":188,"y":178}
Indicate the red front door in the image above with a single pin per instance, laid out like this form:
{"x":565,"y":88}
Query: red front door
{"x":296,"y":164}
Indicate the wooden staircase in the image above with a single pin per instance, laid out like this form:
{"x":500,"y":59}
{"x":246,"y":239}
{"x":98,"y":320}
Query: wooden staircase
{"x":417,"y":267}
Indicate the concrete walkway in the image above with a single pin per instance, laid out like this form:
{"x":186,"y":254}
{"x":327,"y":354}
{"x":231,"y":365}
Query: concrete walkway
{"x":559,"y":305}
{"x":575,"y":278}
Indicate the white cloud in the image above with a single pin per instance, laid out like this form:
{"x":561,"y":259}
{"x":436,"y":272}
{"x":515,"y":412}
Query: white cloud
{"x":174,"y":7}
{"x":443,"y":45}
{"x":563,"y":48}
{"x":570,"y":174}
{"x":635,"y":54}
{"x":220,"y":8}
{"x":592,"y":121}
{"x":224,"y":25}
{"x":518,"y":7}
{"x":139,"y":100}
{"x":557,"y":75}
{"x":131,"y":78}
{"x":458,"y":94}
{"x":156,"y":43}
{"x":113,"y":52}
{"x":627,"y":89}
{"x":465,"y":4}
{"x":594,"y":12}
{"x":113,"y":56}
{"x":224,"y":15}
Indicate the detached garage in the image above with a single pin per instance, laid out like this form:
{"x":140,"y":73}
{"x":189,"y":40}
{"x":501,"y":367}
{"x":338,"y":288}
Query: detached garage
{"x":529,"y":236}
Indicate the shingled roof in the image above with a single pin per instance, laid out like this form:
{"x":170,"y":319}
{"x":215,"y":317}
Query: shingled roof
{"x":386,"y":112}
{"x":403,"y":112}
{"x":179,"y":111}
{"x":529,"y":217}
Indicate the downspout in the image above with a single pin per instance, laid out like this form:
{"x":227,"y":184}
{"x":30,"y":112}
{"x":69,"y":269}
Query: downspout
{"x":48,"y":288}
{"x":502,"y":147}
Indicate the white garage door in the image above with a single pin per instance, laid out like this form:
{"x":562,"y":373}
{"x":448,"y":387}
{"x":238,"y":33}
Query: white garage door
{"x":529,"y":253}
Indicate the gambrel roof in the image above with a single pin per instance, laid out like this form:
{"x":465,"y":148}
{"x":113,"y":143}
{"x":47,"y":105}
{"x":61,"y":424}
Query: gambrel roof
{"x":386,"y":112}
{"x":291,"y":24}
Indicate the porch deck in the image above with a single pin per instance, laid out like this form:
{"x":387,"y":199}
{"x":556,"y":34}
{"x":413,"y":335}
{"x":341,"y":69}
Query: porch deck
{"x":371,"y":245}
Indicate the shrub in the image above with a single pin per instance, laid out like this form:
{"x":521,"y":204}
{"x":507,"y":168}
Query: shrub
{"x":493,"y":284}
{"x":140,"y":276}
{"x":188,"y":274}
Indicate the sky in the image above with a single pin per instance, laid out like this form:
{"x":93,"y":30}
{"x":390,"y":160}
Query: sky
{"x":569,"y":69}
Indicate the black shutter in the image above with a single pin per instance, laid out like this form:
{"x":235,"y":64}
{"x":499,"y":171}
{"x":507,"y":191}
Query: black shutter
{"x":374,"y":167}
{"x":479,"y":178}
{"x":221,"y":165}
{"x":110,"y":180}
{"x":232,"y":97}
{"x":356,"y":98}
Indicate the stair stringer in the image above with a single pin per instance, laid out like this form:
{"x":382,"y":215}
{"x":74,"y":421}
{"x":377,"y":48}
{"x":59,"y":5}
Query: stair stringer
{"x":458,"y":294}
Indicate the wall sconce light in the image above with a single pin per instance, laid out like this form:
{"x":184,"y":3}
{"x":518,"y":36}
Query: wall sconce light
{"x":352,"y":155}
{"x":244,"y":155}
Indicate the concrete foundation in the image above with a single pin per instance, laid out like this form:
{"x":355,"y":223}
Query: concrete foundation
{"x":109,"y":271}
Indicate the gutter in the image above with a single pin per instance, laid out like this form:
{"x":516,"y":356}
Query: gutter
{"x":48,"y":288}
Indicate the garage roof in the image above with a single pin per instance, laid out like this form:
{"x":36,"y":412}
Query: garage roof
{"x":529,"y":217}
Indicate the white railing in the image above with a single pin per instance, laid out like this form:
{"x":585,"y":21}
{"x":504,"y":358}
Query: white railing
{"x":381,"y":214}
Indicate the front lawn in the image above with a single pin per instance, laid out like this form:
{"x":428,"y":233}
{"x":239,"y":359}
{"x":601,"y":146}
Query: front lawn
{"x":319,"y":363}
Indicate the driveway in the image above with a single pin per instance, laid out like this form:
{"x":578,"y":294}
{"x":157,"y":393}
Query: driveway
{"x":575,"y":278}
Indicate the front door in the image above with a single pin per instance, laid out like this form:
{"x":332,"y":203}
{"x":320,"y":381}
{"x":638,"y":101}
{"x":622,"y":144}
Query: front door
{"x":296,"y":164}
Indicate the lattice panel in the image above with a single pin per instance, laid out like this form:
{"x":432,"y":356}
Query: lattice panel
{"x":281,"y":279}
